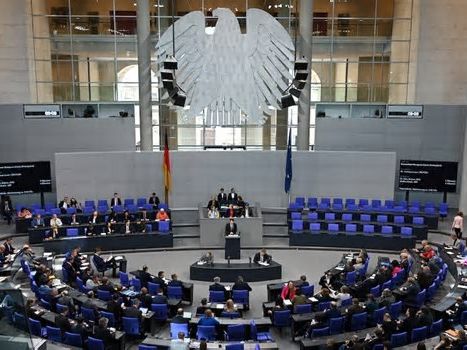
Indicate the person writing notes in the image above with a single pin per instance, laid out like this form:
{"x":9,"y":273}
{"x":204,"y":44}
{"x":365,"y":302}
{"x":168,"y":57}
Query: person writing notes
{"x":262,"y":257}
{"x":162,"y":215}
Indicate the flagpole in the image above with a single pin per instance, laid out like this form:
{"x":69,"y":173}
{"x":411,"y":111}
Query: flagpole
{"x":166,"y":196}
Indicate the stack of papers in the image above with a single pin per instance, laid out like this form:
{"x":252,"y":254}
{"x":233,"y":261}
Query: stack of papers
{"x":287,"y":302}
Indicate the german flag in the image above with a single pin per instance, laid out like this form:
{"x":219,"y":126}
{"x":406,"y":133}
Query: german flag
{"x":166,"y":166}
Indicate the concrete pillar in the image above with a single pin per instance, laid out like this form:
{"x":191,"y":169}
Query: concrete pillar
{"x":144,"y":73}
{"x":266,"y":130}
{"x":282,"y":130}
{"x":305,"y":38}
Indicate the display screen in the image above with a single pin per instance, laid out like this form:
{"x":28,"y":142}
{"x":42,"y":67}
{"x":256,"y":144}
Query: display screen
{"x":23,"y":178}
{"x":428,"y":176}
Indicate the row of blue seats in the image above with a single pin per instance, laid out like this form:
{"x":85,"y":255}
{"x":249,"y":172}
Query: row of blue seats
{"x":315,"y":227}
{"x":365,"y":204}
{"x":398,"y":219}
{"x":162,"y":227}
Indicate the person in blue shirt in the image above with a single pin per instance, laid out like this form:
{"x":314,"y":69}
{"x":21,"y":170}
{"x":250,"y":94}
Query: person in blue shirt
{"x":208,"y":319}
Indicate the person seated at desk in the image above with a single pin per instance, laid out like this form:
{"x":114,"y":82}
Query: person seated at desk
{"x":302,"y":282}
{"x":103,"y":333}
{"x":386,"y":298}
{"x":116,"y":200}
{"x":55,"y":224}
{"x":100,"y":263}
{"x":178,"y":318}
{"x":133,"y":310}
{"x":3,"y":257}
{"x":181,"y":343}
{"x":145,"y":276}
{"x":208,"y":319}
{"x":230,"y":212}
{"x":154,"y":200}
{"x":213,"y":213}
{"x":288,"y":291}
{"x":343,"y":294}
{"x":62,"y":321}
{"x":278,"y":306}
{"x":324,"y":295}
{"x":213,"y":203}
{"x":202,"y":307}
{"x":80,"y":328}
{"x":111,"y":221}
{"x":353,"y":309}
{"x":93,"y":283}
{"x":299,"y":299}
{"x":424,"y":317}
{"x":160,"y":298}
{"x":233,"y":197}
{"x":28,"y":255}
{"x":41,"y":277}
{"x":70,"y":270}
{"x":106,"y":285}
{"x":229,"y":307}
{"x":145,"y":298}
{"x":454,"y":312}
{"x":425,"y":277}
{"x":74,"y":220}
{"x":24,"y":213}
{"x":63,"y":205}
{"x":240,"y":284}
{"x":127,"y":227}
{"x":160,"y":280}
{"x":127,"y":216}
{"x":262,"y":257}
{"x":175,"y":282}
{"x":320,"y":320}
{"x":231,"y":228}
{"x":217,"y":286}
{"x":328,"y":280}
{"x":94,"y":220}
{"x":222,"y":197}
{"x":38,"y":221}
{"x":75,"y":204}
{"x":115,"y":306}
{"x":404,"y":261}
{"x":142,"y":219}
{"x":395,"y":268}
{"x":9,"y":249}
{"x":66,"y":300}
{"x":162,"y":215}
{"x":411,"y":289}
{"x":409,"y":322}
{"x":428,"y":252}
{"x":207,"y":258}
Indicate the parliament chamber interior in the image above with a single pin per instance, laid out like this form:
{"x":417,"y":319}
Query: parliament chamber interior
{"x":233,"y":174}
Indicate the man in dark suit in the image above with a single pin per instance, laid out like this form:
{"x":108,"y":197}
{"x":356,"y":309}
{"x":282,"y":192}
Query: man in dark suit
{"x":179,"y":317}
{"x":9,"y":250}
{"x":222,"y":197}
{"x":103,"y":333}
{"x":133,"y":311}
{"x":62,"y":321}
{"x":64,"y":204}
{"x":424,"y":277}
{"x":175,"y":282}
{"x":145,"y":276}
{"x":240,"y":284}
{"x":262,"y":256}
{"x":354,"y":309}
{"x":217,"y":286}
{"x":115,"y":200}
{"x":115,"y":307}
{"x":233,"y":197}
{"x":100,"y":263}
{"x":159,"y":279}
{"x":37,"y":221}
{"x":231,"y":228}
{"x":70,"y":270}
{"x":154,"y":200}
{"x":412,"y":290}
{"x":145,"y":298}
{"x":106,"y":286}
{"x":159,"y":298}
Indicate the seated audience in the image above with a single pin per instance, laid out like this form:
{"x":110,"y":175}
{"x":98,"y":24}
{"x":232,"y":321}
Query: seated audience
{"x":106,"y":285}
{"x":396,"y":268}
{"x":159,"y":298}
{"x":115,"y":306}
{"x":353,"y":309}
{"x":38,"y":221}
{"x":230,"y":306}
{"x":288,"y":291}
{"x":133,"y":310}
{"x":74,"y":220}
{"x":207,"y":258}
{"x":24,"y":213}
{"x":217,"y":286}
{"x":103,"y":333}
{"x":240,"y":284}
{"x":64,"y":204}
{"x":202,"y":307}
{"x":9,"y":249}
{"x":213,"y":203}
{"x":94,"y":220}
{"x":213,"y":213}
{"x":230,"y":212}
{"x":178,"y":318}
{"x":62,"y":321}
{"x":145,"y":298}
{"x":55,"y":224}
{"x":343,"y":294}
{"x":208,"y":319}
{"x":386,"y":298}
{"x":389,"y":326}
{"x":175,"y":282}
{"x":180,"y":343}
{"x":162,"y":215}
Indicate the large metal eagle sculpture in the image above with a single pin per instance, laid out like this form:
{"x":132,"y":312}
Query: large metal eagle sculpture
{"x":232,"y":75}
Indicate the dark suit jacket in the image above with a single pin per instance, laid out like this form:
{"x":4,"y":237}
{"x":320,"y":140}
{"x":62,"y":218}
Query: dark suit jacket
{"x":222,"y":198}
{"x":217,"y":287}
{"x":35,"y":222}
{"x":63,"y":323}
{"x":146,"y":301}
{"x":106,"y":287}
{"x":228,"y":229}
{"x":154,"y":200}
{"x":99,"y":262}
{"x":145,"y":277}
{"x":179,"y":319}
{"x":115,"y":201}
{"x":267,"y":258}
{"x":175,"y":283}
{"x":241,"y":286}
{"x":159,"y":299}
{"x":160,"y":282}
{"x":103,"y":334}
{"x":115,"y":308}
{"x":232,"y":198}
{"x":132,"y":312}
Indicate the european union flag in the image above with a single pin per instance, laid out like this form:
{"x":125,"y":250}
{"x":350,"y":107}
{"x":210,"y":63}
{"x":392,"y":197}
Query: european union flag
{"x":288,"y":164}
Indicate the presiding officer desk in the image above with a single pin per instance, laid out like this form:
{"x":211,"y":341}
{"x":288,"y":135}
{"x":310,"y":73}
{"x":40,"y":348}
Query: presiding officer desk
{"x":250,"y":272}
{"x":212,"y":231}
{"x":110,"y":242}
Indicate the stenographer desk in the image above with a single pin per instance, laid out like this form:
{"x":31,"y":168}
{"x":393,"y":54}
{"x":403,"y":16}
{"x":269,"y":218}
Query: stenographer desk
{"x":212,"y":231}
{"x":230,"y":273}
{"x":109,"y":242}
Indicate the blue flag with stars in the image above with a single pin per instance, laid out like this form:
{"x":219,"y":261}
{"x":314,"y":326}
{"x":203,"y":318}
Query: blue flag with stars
{"x":288,"y":164}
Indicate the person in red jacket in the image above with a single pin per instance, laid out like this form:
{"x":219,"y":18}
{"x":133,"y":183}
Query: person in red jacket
{"x":428,"y":252}
{"x":288,"y":292}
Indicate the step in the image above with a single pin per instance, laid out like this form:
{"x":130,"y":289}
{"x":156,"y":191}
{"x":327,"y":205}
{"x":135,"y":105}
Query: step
{"x":275,"y":230}
{"x":185,"y":230}
{"x":187,"y":242}
{"x":185,"y":216}
{"x":275,"y":241}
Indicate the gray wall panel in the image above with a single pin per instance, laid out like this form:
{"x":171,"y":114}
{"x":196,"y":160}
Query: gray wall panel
{"x":258,"y":176}
{"x":438,"y":136}
{"x":39,"y":139}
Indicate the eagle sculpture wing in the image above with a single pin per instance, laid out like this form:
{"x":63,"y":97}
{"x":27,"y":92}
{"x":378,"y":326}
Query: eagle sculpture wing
{"x":270,"y":53}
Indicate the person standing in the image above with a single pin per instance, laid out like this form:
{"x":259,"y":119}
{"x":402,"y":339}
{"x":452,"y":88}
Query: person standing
{"x":458,"y":224}
{"x":6,"y":208}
